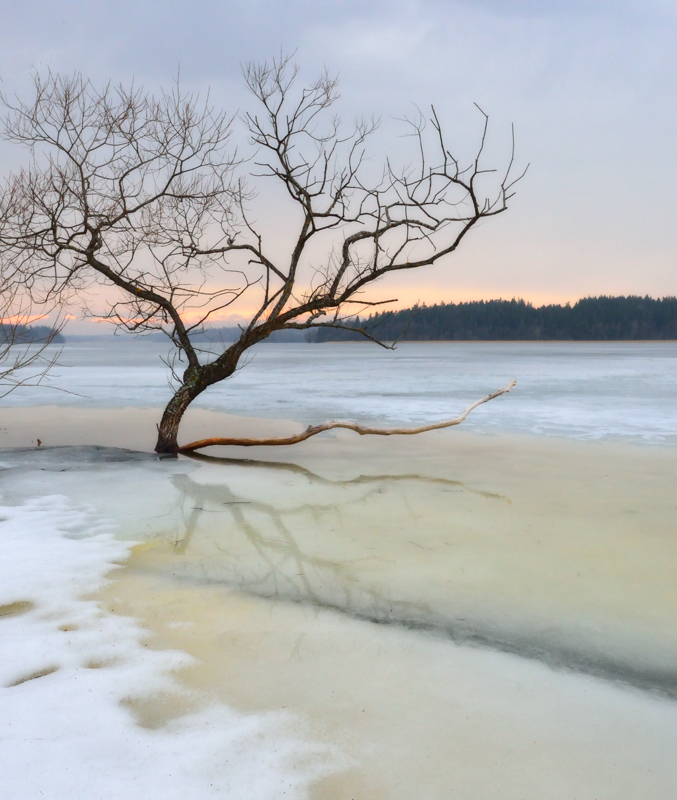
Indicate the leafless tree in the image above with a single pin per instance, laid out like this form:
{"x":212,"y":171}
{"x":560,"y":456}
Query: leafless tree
{"x":147,"y":196}
{"x":24,"y":359}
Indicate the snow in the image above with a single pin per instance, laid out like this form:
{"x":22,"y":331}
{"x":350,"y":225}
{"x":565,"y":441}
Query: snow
{"x":68,"y":671}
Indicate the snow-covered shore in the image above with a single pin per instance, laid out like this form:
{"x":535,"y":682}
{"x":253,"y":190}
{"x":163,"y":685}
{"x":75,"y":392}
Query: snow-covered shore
{"x":68,"y":672}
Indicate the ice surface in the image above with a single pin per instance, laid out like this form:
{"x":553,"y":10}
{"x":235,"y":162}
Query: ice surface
{"x":69,"y":671}
{"x":236,"y":653}
{"x":580,"y":390}
{"x":258,"y":580}
{"x":564,"y":553}
{"x":418,"y":716}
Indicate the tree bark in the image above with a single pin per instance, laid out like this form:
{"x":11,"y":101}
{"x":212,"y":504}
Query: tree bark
{"x":195,"y":380}
{"x":168,"y":429}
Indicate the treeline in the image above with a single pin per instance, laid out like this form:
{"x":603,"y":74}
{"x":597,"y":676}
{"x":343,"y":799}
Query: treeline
{"x":25,"y":334}
{"x":594,"y":318}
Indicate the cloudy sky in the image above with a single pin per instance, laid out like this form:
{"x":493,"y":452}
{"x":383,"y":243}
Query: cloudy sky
{"x":590,"y":87}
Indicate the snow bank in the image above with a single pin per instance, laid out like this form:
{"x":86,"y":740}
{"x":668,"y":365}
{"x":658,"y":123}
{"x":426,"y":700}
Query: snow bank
{"x":67,"y":669}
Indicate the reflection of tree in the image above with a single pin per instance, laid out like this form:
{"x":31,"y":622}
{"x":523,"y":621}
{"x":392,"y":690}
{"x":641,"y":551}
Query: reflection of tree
{"x":281,"y":466}
{"x":278,"y":566}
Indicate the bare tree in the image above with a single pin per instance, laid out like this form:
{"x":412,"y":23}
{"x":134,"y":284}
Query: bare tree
{"x":148,"y":197}
{"x":25,"y":360}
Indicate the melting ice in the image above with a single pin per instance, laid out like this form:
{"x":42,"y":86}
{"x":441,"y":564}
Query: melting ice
{"x":447,"y":616}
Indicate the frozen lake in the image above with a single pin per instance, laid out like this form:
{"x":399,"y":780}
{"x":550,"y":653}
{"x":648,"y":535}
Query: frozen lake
{"x":581,"y":390}
{"x":353,"y":618}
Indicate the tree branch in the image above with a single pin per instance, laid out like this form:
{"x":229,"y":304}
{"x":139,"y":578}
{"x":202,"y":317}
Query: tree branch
{"x":363,"y":430}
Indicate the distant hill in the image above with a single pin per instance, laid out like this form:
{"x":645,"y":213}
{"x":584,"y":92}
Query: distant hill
{"x":24,"y":334}
{"x":591,"y":319}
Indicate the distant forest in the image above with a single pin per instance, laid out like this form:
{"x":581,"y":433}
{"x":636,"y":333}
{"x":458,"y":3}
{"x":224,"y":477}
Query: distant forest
{"x":594,"y":318}
{"x":591,"y":319}
{"x":24,"y":334}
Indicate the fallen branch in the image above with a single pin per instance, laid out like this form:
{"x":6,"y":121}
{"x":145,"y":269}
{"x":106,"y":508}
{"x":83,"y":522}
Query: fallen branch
{"x":313,"y":430}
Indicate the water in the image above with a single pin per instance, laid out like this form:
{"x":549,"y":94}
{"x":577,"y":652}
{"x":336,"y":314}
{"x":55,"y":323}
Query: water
{"x":579,"y":390}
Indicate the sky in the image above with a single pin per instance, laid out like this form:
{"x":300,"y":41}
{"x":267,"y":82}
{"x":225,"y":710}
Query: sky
{"x":589,"y":86}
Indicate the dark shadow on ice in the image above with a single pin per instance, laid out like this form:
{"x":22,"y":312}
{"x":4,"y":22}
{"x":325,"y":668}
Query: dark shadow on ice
{"x":69,"y":456}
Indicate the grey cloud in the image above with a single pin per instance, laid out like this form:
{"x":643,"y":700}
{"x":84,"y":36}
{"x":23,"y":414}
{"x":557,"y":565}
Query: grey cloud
{"x":589,"y":84}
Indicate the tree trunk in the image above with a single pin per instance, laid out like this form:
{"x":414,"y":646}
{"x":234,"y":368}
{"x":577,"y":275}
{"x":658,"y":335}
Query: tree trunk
{"x":168,"y":429}
{"x":195,"y":380}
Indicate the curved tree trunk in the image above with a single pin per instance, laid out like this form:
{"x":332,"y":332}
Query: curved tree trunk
{"x":196,"y":379}
{"x":168,"y":429}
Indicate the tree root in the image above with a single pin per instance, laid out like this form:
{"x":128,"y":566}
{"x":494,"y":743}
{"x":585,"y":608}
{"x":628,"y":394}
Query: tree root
{"x":313,"y":430}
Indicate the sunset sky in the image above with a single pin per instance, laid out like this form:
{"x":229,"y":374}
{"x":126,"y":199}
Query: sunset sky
{"x":590,"y":87}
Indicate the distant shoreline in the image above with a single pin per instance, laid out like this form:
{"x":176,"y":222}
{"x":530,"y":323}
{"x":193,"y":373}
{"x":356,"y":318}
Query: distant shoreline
{"x":96,"y":338}
{"x":592,"y":319}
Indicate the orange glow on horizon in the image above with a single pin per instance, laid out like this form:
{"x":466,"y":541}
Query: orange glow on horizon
{"x":406,"y":297}
{"x":21,"y":319}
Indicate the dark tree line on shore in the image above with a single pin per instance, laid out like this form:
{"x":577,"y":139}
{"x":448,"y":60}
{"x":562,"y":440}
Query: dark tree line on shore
{"x":593,"y":318}
{"x":27,"y":334}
